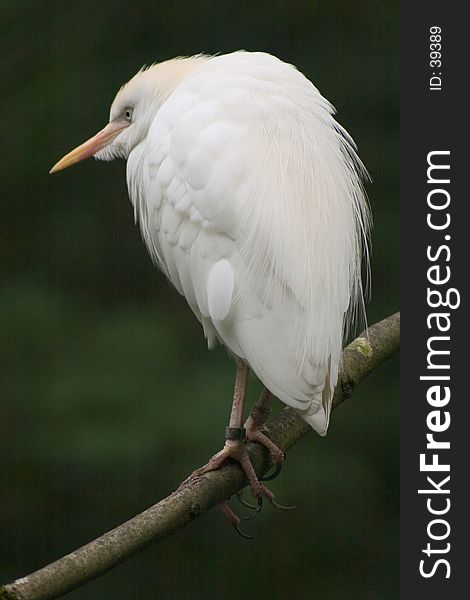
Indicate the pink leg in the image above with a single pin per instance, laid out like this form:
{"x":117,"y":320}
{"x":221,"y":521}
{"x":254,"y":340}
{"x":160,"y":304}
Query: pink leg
{"x":235,"y":446}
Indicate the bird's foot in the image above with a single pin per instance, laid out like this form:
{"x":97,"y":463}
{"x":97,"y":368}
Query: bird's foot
{"x":259,"y":492}
{"x":232,"y":449}
{"x":234,"y":520}
{"x":254,"y":433}
{"x":236,"y":450}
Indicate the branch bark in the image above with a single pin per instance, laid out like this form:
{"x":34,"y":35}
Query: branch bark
{"x":194,"y":497}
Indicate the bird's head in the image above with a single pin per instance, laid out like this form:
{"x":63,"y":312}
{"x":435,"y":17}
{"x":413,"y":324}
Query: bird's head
{"x":132,"y":112}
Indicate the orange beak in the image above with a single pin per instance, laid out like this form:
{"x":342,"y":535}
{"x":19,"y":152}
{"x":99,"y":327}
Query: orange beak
{"x":88,"y":148}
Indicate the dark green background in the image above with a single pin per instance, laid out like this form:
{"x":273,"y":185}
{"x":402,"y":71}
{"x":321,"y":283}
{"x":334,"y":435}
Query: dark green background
{"x":109,"y":397}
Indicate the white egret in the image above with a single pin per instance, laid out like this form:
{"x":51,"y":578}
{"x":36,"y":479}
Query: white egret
{"x":250,"y":200}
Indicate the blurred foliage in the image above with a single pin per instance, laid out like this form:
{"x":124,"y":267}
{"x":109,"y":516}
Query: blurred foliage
{"x":108,"y":395}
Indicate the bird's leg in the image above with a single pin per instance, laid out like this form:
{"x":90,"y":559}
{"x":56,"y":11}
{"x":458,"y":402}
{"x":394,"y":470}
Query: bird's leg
{"x":234,"y":434}
{"x":235,"y":441}
{"x":254,"y":426}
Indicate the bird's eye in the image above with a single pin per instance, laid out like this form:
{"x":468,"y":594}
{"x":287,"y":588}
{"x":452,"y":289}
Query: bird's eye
{"x":128,"y":113}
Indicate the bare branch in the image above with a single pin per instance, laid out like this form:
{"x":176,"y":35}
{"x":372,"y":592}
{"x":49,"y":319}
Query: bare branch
{"x":194,"y":497}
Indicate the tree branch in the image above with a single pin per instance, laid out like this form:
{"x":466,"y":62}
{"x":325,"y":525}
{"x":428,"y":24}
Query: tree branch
{"x":197,"y":496}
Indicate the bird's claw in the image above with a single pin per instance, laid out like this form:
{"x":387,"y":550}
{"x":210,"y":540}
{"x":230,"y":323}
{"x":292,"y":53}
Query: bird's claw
{"x":274,"y":474}
{"x":241,"y":533}
{"x":262,"y":491}
{"x":234,"y":520}
{"x":257,"y":509}
{"x":280,"y":506}
{"x":243,"y":502}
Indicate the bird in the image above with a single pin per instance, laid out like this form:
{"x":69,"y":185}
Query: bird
{"x":250,"y":198}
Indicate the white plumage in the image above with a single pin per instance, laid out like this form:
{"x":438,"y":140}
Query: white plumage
{"x":249,"y":197}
